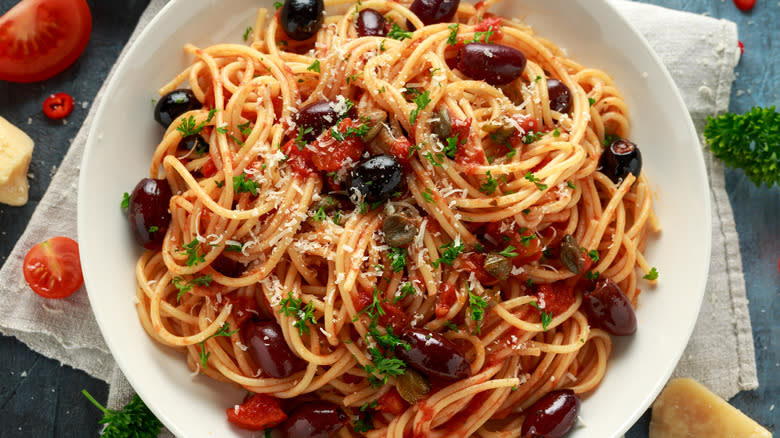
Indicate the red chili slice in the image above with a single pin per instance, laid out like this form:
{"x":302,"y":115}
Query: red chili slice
{"x":58,"y":106}
{"x":745,"y":5}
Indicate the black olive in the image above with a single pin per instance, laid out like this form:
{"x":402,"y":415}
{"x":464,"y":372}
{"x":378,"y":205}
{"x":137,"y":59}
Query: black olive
{"x":560,"y":96}
{"x":619,"y":159}
{"x":493,"y":63}
{"x":195,"y":142}
{"x":317,"y":117}
{"x":434,"y":11}
{"x":301,"y":19}
{"x":375,"y":179}
{"x":371,"y":22}
{"x":174,"y":104}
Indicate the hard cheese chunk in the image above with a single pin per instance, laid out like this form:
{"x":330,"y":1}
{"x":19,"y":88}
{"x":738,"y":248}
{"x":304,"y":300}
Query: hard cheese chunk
{"x":15,"y":151}
{"x":686,"y":409}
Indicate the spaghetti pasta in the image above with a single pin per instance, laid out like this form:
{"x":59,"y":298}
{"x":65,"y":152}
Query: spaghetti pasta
{"x":509,"y":222}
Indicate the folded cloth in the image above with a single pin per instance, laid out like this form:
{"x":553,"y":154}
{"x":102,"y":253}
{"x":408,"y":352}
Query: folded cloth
{"x":720,"y":354}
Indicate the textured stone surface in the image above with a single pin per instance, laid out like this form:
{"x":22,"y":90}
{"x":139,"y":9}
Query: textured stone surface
{"x":40,"y":398}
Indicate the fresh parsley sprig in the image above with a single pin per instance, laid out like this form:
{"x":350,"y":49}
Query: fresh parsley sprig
{"x":750,"y":142}
{"x":422,"y":100}
{"x":450,"y":253}
{"x":398,"y":33}
{"x":293,"y":307}
{"x":186,"y":286}
{"x":546,"y":316}
{"x":135,"y":420}
{"x":204,"y":355}
{"x":397,"y":259}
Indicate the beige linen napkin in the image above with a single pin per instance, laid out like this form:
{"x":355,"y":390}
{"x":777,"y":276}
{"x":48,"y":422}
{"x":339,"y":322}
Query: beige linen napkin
{"x":720,"y":353}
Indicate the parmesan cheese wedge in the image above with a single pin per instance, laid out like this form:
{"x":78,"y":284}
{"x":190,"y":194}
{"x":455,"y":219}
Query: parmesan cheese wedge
{"x":16,"y":149}
{"x":686,"y":409}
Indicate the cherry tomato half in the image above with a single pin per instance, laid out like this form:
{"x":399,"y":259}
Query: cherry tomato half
{"x":257,"y":412}
{"x":40,"y":38}
{"x":52,"y":268}
{"x":58,"y":106}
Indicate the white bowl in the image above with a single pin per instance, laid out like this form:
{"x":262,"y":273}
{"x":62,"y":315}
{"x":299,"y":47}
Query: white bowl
{"x":124,"y":134}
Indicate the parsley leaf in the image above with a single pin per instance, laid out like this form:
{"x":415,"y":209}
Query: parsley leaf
{"x":204,"y":280}
{"x":193,"y":256}
{"x":453,"y":38}
{"x":406,"y":289}
{"x":383,"y":365}
{"x":433,"y":159}
{"x":247,"y":32}
{"x":125,"y":201}
{"x":546,"y":316}
{"x":594,"y":255}
{"x":397,"y":259}
{"x":427,"y":194}
{"x":508,"y":252}
{"x":188,"y":126}
{"x":421,"y":101}
{"x":451,"y":148}
{"x":477,"y":306}
{"x":291,"y":306}
{"x":591,"y":101}
{"x":530,"y":177}
{"x":592,"y":275}
{"x":490,"y":184}
{"x":204,"y":355}
{"x":450,"y":253}
{"x":485,"y":36}
{"x":135,"y":420}
{"x":315,"y":66}
{"x":398,"y":33}
{"x":451,"y":326}
{"x":278,"y":5}
{"x":242,"y":184}
{"x":652,"y":275}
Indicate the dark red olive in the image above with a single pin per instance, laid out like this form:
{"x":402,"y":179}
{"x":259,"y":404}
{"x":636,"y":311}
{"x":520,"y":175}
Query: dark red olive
{"x":371,"y":23}
{"x":609,"y":309}
{"x":559,"y":94}
{"x":492,"y":63}
{"x":174,"y":104}
{"x":269,"y":349}
{"x":301,"y":19}
{"x":317,"y":419}
{"x":375,"y":179}
{"x":318,"y":116}
{"x":433,"y":354}
{"x":148,"y":212}
{"x":434,"y":11}
{"x":619,"y":159}
{"x":227,"y":266}
{"x":552,"y":415}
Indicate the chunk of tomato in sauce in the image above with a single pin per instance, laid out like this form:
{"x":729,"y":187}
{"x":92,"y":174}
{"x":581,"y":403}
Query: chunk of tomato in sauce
{"x":554,"y":298}
{"x":329,"y":154}
{"x":391,"y":403}
{"x":448,"y":296}
{"x":469,"y":155}
{"x":526,"y":243}
{"x":299,"y":160}
{"x":492,"y":24}
{"x":258,"y":412}
{"x":400,"y":149}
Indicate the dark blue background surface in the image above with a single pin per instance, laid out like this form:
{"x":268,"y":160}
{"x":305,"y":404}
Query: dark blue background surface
{"x":40,"y":398}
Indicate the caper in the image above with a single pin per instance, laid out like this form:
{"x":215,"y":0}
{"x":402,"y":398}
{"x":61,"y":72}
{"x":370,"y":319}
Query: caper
{"x":373,"y":132}
{"x":499,"y":130}
{"x":571,"y":255}
{"x":412,"y":386}
{"x":399,"y":229}
{"x":442,"y":125}
{"x":498,"y":266}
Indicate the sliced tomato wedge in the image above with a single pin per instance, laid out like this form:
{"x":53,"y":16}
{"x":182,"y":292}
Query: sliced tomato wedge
{"x":40,"y":38}
{"x":258,"y":412}
{"x":52,"y":268}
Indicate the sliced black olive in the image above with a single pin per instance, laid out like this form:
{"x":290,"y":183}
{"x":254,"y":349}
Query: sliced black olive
{"x":559,"y":94}
{"x":399,"y":230}
{"x":619,"y":159}
{"x":412,"y":386}
{"x":498,"y":266}
{"x":174,"y":104}
{"x":301,"y":19}
{"x":572,"y":257}
{"x":442,"y":125}
{"x":374,"y":179}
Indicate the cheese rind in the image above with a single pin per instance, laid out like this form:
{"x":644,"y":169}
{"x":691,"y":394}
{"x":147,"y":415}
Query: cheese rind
{"x":687,"y":409}
{"x":16,"y":149}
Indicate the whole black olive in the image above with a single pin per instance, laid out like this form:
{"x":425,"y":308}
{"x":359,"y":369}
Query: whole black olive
{"x":318,"y":116}
{"x":374,"y":179}
{"x":371,"y":23}
{"x":493,"y":63}
{"x":316,"y":419}
{"x":619,"y":159}
{"x":552,"y":415}
{"x":434,"y":11}
{"x":174,"y":104}
{"x":609,"y":309}
{"x":148,"y":212}
{"x":269,"y":349}
{"x":433,"y":354}
{"x":195,"y":142}
{"x":560,"y":96}
{"x":301,"y":19}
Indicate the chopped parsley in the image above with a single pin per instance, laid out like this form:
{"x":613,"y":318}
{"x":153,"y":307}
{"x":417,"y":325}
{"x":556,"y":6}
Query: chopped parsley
{"x":188,"y":126}
{"x":594,"y":255}
{"x":351,"y":131}
{"x":242,"y":184}
{"x":484,"y":36}
{"x":278,"y":5}
{"x":204,"y":355}
{"x":451,"y":326}
{"x":571,"y":185}
{"x":389,"y":340}
{"x":184,"y":287}
{"x":397,"y":259}
{"x":530,"y":177}
{"x":546,"y":316}
{"x":125,"y":201}
{"x":337,"y":217}
{"x":406,"y":289}
{"x":525,"y":240}
{"x":427,"y":194}
{"x":453,"y":38}
{"x":374,"y":309}
{"x":398,"y":33}
{"x":652,"y":275}
{"x":509,"y":252}
{"x":383,"y":365}
{"x":532,"y":136}
{"x":527,"y":211}
{"x":412,"y":149}
{"x":450,"y":253}
{"x":245,"y":128}
{"x":477,"y":306}
{"x":592,"y":275}
{"x":234,"y":248}
{"x":451,"y":148}
{"x":300,"y":143}
{"x":153,"y":229}
{"x":490,"y":184}
{"x":291,"y":307}
{"x":315,"y":66}
{"x":591,"y":101}
{"x":247,"y":32}
{"x":435,"y":160}
{"x":421,"y":101}
{"x":556,"y":132}
{"x":320,"y":215}
{"x":193,"y":257}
